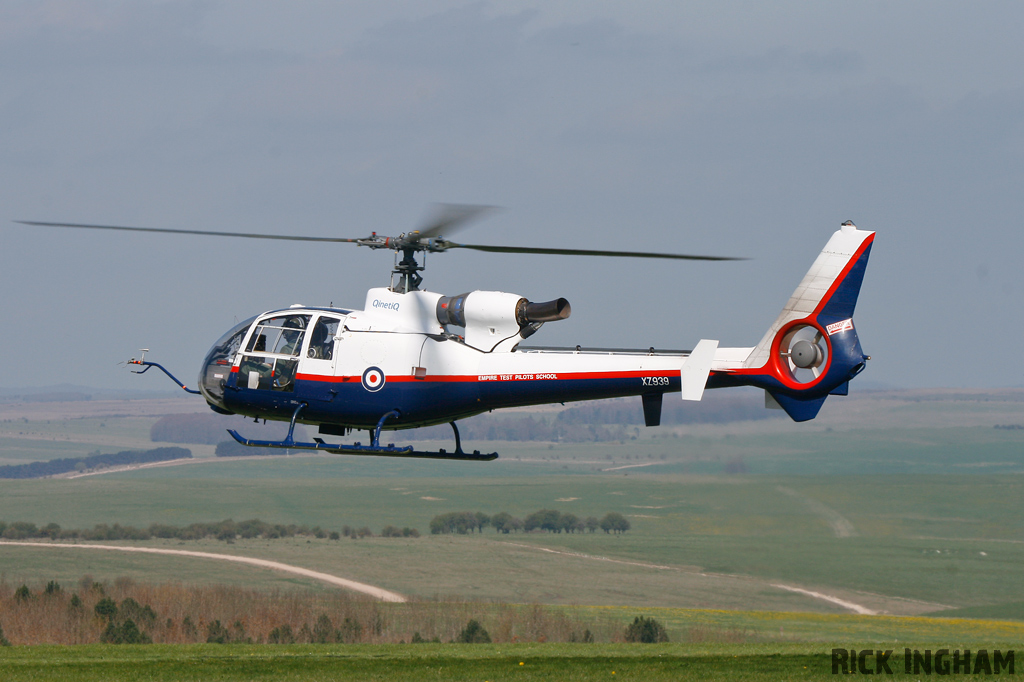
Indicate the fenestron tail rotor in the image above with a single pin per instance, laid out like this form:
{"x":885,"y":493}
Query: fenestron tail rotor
{"x":805,"y":353}
{"x":442,"y":219}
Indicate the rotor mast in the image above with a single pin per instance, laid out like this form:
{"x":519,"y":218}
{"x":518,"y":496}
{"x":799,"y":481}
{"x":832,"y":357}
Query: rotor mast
{"x":407,"y":270}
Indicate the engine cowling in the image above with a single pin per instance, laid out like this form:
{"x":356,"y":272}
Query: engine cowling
{"x":493,"y":317}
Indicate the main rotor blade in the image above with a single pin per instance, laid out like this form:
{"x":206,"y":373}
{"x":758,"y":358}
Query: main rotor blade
{"x":246,"y":235}
{"x":584,"y":252}
{"x":449,"y":218}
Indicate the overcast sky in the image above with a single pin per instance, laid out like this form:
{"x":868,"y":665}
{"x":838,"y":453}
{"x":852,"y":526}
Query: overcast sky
{"x":728,"y":128}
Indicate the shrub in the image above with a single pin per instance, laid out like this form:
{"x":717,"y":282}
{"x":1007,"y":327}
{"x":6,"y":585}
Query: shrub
{"x":614,"y":522}
{"x":135,"y":611}
{"x":473,"y":633}
{"x":50,"y":530}
{"x":52,"y":588}
{"x":587,"y":637}
{"x":545,"y":519}
{"x":23,"y":593}
{"x":646,"y":630}
{"x":504,"y":522}
{"x":125,"y":633}
{"x":3,"y":639}
{"x":106,"y":608}
{"x":20,"y":530}
{"x":217,"y":633}
{"x":188,"y":628}
{"x":323,"y":631}
{"x":454,"y":522}
{"x":569,"y":523}
{"x":281,"y":635}
{"x":350,"y":631}
{"x":482,"y":520}
{"x":238,"y":635}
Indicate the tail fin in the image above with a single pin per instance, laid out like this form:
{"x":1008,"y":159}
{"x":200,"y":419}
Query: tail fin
{"x":812,"y":349}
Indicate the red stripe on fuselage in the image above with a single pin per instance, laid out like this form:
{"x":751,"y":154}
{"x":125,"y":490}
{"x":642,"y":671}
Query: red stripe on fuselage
{"x":498,"y":378}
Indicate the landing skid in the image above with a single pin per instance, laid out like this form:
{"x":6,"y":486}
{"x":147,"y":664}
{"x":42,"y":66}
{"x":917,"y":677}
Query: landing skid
{"x":374,"y":448}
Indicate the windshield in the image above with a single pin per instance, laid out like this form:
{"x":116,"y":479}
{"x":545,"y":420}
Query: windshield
{"x":219,"y":359}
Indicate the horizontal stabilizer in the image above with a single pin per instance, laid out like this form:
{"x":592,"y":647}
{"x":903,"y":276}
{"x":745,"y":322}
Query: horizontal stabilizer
{"x":696,"y":369}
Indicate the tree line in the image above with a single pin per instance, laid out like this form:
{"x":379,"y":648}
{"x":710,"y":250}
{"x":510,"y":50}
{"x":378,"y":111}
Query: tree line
{"x":126,"y":612}
{"x":546,"y":520}
{"x":227,"y":531}
{"x":95,"y":461}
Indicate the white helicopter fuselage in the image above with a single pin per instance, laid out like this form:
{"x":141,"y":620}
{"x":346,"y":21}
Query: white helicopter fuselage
{"x":396,"y":356}
{"x":422,"y":358}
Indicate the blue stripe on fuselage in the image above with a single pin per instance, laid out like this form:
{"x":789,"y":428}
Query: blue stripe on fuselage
{"x":426,"y":402}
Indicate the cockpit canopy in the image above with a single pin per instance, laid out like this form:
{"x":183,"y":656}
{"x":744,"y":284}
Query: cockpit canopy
{"x":274,"y":343}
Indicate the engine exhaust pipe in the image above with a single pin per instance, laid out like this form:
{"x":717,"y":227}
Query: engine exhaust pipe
{"x":548,"y":311}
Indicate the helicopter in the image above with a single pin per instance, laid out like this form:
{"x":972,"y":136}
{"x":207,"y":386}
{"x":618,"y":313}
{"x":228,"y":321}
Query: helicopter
{"x":412,"y":358}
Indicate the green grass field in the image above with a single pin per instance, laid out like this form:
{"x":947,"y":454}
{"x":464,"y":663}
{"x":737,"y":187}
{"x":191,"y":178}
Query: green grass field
{"x":478,"y":662}
{"x":946,"y":540}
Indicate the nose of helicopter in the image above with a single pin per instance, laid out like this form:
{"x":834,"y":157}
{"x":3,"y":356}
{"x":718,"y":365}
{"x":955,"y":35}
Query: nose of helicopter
{"x":216,"y":369}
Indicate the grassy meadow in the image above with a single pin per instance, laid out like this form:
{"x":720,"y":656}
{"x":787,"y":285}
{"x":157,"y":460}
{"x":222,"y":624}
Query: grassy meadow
{"x":749,"y":540}
{"x":696,"y":541}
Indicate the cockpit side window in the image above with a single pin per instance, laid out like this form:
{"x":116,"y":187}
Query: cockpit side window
{"x":321,"y":339}
{"x":281,"y":335}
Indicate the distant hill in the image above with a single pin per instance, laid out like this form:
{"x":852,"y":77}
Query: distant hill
{"x":211,"y":429}
{"x":715,"y":408}
{"x":67,"y":464}
{"x":606,"y":420}
{"x":75,"y":393}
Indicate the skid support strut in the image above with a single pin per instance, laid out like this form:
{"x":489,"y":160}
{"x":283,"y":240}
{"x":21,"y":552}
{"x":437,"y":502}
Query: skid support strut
{"x":374,"y":448}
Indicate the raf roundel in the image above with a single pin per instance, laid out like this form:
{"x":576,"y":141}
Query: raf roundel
{"x":373,"y":379}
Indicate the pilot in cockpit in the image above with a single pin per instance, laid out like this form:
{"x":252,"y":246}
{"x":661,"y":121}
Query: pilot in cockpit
{"x":321,"y":342}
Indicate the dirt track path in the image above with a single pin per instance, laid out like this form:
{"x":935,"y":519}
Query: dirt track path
{"x":856,"y":608}
{"x":382,"y":594}
{"x":840,"y":525}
